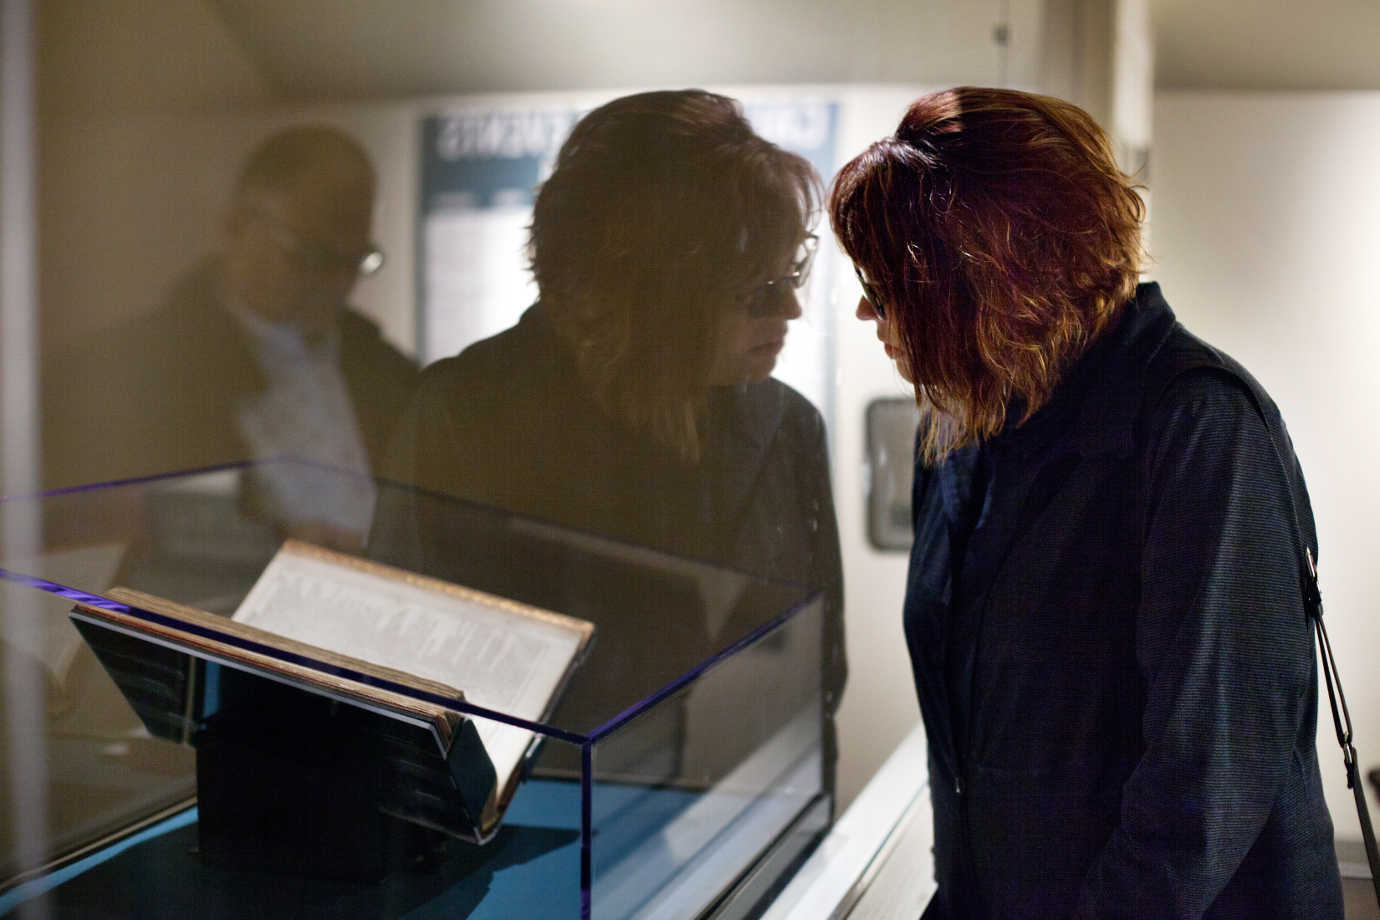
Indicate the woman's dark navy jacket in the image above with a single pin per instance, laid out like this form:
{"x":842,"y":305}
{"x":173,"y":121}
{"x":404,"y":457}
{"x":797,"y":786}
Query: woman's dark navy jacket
{"x":1111,"y":652}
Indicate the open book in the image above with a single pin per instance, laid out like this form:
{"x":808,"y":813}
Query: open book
{"x":360,"y":617}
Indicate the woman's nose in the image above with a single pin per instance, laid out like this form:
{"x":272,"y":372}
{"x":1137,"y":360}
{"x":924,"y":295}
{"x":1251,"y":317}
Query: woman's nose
{"x":776,"y":300}
{"x":792,"y":305}
{"x":865,"y":311}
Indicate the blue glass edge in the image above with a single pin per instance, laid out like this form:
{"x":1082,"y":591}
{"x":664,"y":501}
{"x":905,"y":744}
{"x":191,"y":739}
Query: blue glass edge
{"x":698,"y":670}
{"x":597,"y":734}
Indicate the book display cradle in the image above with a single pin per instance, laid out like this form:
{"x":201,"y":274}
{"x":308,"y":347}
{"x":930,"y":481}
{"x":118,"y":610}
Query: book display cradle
{"x":657,"y":751}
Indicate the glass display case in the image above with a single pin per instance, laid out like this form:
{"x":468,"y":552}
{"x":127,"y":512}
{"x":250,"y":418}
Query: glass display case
{"x":681,"y":770}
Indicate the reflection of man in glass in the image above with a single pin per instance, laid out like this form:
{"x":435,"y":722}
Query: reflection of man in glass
{"x":256,"y":353}
{"x":298,"y":234}
{"x":634,"y":400}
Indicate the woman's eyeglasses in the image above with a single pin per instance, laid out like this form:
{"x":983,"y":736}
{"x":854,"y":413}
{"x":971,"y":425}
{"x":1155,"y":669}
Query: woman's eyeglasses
{"x":870,"y":294}
{"x":760,"y":303}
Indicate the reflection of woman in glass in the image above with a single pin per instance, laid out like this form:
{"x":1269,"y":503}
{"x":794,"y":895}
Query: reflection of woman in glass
{"x":634,"y":401}
{"x":1103,"y":610}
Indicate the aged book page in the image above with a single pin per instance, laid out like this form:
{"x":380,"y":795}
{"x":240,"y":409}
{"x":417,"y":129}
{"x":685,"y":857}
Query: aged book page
{"x":503,"y":655}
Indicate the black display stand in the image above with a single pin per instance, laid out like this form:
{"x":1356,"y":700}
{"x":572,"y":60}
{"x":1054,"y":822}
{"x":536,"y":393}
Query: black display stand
{"x":288,"y":791}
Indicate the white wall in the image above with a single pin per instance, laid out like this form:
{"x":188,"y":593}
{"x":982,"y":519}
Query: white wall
{"x":133,"y":172}
{"x":1266,"y":231}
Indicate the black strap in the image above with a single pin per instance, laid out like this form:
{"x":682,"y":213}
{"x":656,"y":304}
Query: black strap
{"x":1163,"y":371}
{"x":1341,"y":717}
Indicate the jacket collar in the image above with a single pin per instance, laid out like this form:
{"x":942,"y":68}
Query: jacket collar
{"x":1098,"y":401}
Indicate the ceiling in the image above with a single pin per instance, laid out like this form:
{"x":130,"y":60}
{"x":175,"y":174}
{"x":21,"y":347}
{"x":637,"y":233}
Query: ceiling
{"x":315,"y":50}
{"x":318,"y":49}
{"x":429,"y":46}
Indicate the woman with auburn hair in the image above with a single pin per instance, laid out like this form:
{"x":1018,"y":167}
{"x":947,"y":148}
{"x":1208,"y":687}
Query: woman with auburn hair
{"x":1104,"y":610}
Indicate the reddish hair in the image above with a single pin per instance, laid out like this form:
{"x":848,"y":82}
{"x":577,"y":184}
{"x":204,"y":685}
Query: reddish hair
{"x":1002,"y":238}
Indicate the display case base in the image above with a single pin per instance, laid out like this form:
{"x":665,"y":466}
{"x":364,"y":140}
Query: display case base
{"x":299,"y":803}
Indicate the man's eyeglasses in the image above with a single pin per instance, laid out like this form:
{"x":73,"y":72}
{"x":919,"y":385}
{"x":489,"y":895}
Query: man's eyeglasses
{"x":317,"y":258}
{"x":870,"y":294}
{"x":761,"y":300}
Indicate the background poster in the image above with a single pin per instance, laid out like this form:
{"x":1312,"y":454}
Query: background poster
{"x":480,"y":168}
